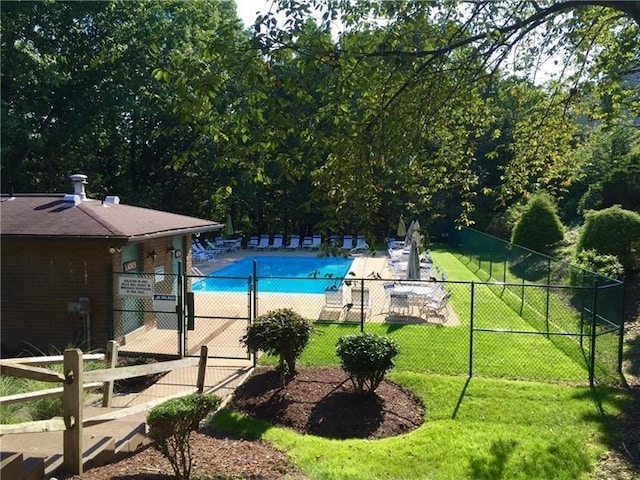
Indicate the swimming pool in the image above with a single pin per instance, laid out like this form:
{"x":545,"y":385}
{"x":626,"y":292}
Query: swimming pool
{"x":283,"y":274}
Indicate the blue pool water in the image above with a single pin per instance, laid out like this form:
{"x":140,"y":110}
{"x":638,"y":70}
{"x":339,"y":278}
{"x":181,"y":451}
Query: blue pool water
{"x":284,"y":274}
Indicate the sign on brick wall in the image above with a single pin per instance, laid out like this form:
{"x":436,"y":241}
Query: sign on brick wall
{"x":136,"y":287}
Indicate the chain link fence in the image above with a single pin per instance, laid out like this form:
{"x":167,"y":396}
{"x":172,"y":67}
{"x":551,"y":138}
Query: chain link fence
{"x":581,"y":312}
{"x":503,"y":326}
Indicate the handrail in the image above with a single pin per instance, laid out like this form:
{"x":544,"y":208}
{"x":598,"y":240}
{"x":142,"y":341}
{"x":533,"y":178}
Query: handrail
{"x":73,"y":384}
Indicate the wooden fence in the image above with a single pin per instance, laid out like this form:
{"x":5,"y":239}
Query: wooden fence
{"x":74,"y":381}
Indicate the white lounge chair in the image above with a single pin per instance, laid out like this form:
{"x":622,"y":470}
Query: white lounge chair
{"x":252,"y":243}
{"x":264,"y":242}
{"x":199,"y":254}
{"x":361,"y":245}
{"x":347,"y":242}
{"x":277,"y":242}
{"x":307,"y":242}
{"x":294,"y":242}
{"x":315,"y":242}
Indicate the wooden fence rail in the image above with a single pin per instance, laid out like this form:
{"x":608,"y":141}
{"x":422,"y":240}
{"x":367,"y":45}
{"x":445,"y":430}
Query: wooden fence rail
{"x":74,"y":381}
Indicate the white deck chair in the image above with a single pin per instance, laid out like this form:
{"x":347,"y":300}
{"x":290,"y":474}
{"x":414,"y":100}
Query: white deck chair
{"x":264,"y":242}
{"x":294,"y":242}
{"x":437,"y":305}
{"x":347,"y":242}
{"x":361,"y":245}
{"x":252,"y":243}
{"x":277,"y":242}
{"x":307,"y":242}
{"x":360,"y":303}
{"x":399,"y":303}
{"x":315,"y":242}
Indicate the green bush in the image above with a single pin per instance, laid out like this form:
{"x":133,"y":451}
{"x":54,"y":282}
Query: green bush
{"x":539,"y":226}
{"x":282,"y":333}
{"x":366,"y":357}
{"x":171,"y":424}
{"x":612,"y":231}
{"x":607,"y":265}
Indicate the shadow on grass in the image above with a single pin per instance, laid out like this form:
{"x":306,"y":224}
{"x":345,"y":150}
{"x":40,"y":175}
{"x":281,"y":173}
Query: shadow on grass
{"x":492,"y":465}
{"x":462,"y":394}
{"x":620,"y":432}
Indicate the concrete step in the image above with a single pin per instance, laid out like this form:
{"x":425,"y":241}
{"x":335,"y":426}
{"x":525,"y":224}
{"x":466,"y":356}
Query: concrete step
{"x":39,"y":455}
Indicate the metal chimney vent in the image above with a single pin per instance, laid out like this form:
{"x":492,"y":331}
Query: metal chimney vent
{"x":79,"y":181}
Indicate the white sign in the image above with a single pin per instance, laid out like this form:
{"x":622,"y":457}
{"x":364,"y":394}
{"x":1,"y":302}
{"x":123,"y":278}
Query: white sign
{"x":164,"y":303}
{"x":159,"y":273}
{"x":136,"y":287}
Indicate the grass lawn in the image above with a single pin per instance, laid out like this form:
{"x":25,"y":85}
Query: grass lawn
{"x":483,"y":429}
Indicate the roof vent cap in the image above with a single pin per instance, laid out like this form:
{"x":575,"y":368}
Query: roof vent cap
{"x":113,"y":199}
{"x":79,"y":181}
{"x":71,"y":200}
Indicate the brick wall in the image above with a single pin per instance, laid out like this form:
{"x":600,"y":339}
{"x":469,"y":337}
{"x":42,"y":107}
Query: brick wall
{"x":39,"y":277}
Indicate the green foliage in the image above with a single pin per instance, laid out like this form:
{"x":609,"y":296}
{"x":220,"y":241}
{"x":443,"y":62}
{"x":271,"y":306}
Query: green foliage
{"x":607,"y":265}
{"x":502,"y":223}
{"x":280,"y":332}
{"x":539,"y":226}
{"x":366,"y":357}
{"x":9,"y":386}
{"x":613,"y":231}
{"x":171,"y":424}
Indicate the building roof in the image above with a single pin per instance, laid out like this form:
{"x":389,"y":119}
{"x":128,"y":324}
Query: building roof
{"x":49,"y":215}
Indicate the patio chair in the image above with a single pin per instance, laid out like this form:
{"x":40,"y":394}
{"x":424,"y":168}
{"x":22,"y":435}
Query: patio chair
{"x":252,"y":243}
{"x":399,"y":303}
{"x":294,"y":242}
{"x":315,"y":242}
{"x":277,"y":242}
{"x":335,"y":299}
{"x":307,"y":242}
{"x":436,"y":306}
{"x":347,"y":242}
{"x":264,"y":242}
{"x":199,"y":254}
{"x":361,"y":246}
{"x":216,"y":247}
{"x":360,"y":304}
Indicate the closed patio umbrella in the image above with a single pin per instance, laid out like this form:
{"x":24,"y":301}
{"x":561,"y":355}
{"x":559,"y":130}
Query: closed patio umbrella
{"x":415,"y":233}
{"x":413,"y":265}
{"x":407,"y":238}
{"x":402,"y":228}
{"x":228,"y":228}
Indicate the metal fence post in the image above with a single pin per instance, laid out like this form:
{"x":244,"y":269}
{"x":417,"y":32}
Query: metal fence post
{"x":592,"y":352}
{"x":362,"y":305}
{"x":471,"y":330}
{"x":582,"y":299}
{"x":623,"y":290}
{"x":546,"y":314}
{"x":72,"y":408}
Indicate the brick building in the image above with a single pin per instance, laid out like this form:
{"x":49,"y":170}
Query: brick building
{"x":58,"y":256}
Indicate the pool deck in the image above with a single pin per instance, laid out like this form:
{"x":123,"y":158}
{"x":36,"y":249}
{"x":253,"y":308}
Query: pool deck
{"x":374,"y":264}
{"x":221,"y":318}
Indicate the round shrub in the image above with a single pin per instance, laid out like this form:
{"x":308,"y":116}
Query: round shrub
{"x":607,"y":265}
{"x":171,"y":424}
{"x":282,"y":333}
{"x":366,"y":357}
{"x":539,"y":226}
{"x":612,"y":231}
